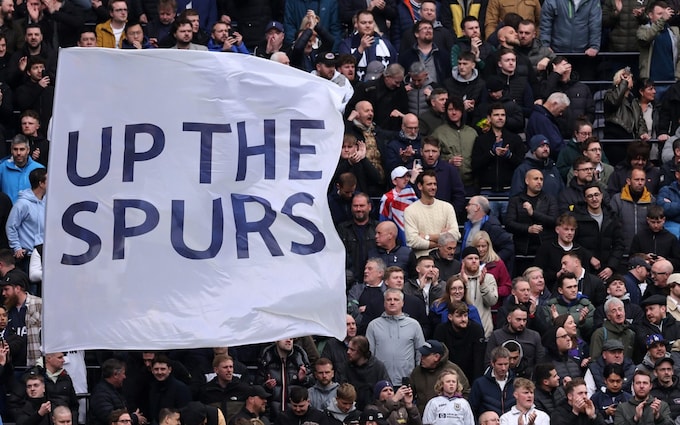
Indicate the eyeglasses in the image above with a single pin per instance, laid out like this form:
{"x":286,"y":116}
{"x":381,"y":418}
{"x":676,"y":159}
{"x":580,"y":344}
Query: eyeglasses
{"x":593,"y":195}
{"x":595,"y":150}
{"x":120,"y":10}
{"x":659,"y":273}
{"x":584,"y":133}
{"x":586,"y":169}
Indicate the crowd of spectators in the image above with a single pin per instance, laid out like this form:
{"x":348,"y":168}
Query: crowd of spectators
{"x":504,"y":264}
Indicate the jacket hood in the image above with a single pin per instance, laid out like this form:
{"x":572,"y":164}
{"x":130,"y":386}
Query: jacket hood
{"x":28,"y":195}
{"x":538,"y":163}
{"x":332,"y":407}
{"x":456,"y":76}
{"x":521,"y":350}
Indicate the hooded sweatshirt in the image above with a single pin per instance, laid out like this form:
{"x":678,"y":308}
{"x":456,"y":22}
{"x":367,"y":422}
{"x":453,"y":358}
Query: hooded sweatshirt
{"x":26,"y":222}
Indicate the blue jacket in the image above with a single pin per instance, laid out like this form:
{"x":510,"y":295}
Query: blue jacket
{"x":14,"y":179}
{"x":326,"y":10}
{"x":500,"y":238}
{"x":440,"y":311}
{"x":552,"y":181}
{"x":543,"y":122}
{"x":26,"y":222}
{"x":391,"y":157}
{"x":486,"y":394}
{"x":214,"y":46}
{"x":672,"y":193}
{"x":564,"y":29}
{"x":207,"y":11}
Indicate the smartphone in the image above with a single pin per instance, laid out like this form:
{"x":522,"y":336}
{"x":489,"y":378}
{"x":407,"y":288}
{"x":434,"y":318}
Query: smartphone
{"x":417,"y":163}
{"x":406,"y":381}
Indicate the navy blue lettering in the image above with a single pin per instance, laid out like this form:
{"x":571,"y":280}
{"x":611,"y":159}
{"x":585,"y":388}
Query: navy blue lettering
{"x":177,"y":232}
{"x":206,"y":131}
{"x":297,"y":149}
{"x":319,"y":241}
{"x":243,"y":226}
{"x":130,"y":156}
{"x":120,"y":229}
{"x":268,"y":149}
{"x":72,"y":159}
{"x":94,"y":243}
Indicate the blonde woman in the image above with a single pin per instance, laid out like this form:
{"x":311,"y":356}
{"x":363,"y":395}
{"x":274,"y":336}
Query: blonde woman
{"x":493,"y":263}
{"x":448,"y":407}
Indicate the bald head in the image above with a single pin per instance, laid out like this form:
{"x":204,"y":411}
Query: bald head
{"x":410,"y":119}
{"x":488,"y":416}
{"x":533,"y":173}
{"x":386,"y":235}
{"x":364,"y":110}
{"x":507,"y":36}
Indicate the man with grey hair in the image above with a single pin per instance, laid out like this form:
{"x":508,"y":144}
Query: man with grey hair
{"x":387,"y":95}
{"x":365,"y":300}
{"x":543,"y":120}
{"x":478,"y":218}
{"x":445,"y":256}
{"x":615,"y":327}
{"x":419,"y":87}
{"x":14,"y":170}
{"x":280,"y":57}
{"x":394,"y":337}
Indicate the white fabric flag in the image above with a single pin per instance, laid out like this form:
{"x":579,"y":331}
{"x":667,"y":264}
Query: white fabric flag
{"x":187,"y":202}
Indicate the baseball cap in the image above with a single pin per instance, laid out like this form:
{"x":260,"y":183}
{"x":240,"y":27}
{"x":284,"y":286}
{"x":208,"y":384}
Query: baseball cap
{"x":274,"y":24}
{"x":400,"y":171}
{"x":664,"y":359}
{"x":374,"y":415}
{"x":15,"y":278}
{"x":431,"y":346}
{"x":328,"y":59}
{"x":654,"y":339}
{"x":637,"y":261}
{"x":374,"y":70}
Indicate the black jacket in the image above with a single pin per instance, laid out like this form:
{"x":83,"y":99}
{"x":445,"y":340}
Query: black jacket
{"x":229,"y":399}
{"x":357,"y":244}
{"x":518,"y":220}
{"x":494,"y":172}
{"x":364,"y":377}
{"x":466,"y":348}
{"x":605,"y":242}
{"x":662,"y":243}
{"x":171,"y":393}
{"x":384,"y":101}
{"x":105,"y":399}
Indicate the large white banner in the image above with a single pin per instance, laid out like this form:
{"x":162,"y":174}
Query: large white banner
{"x":187,"y":202}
